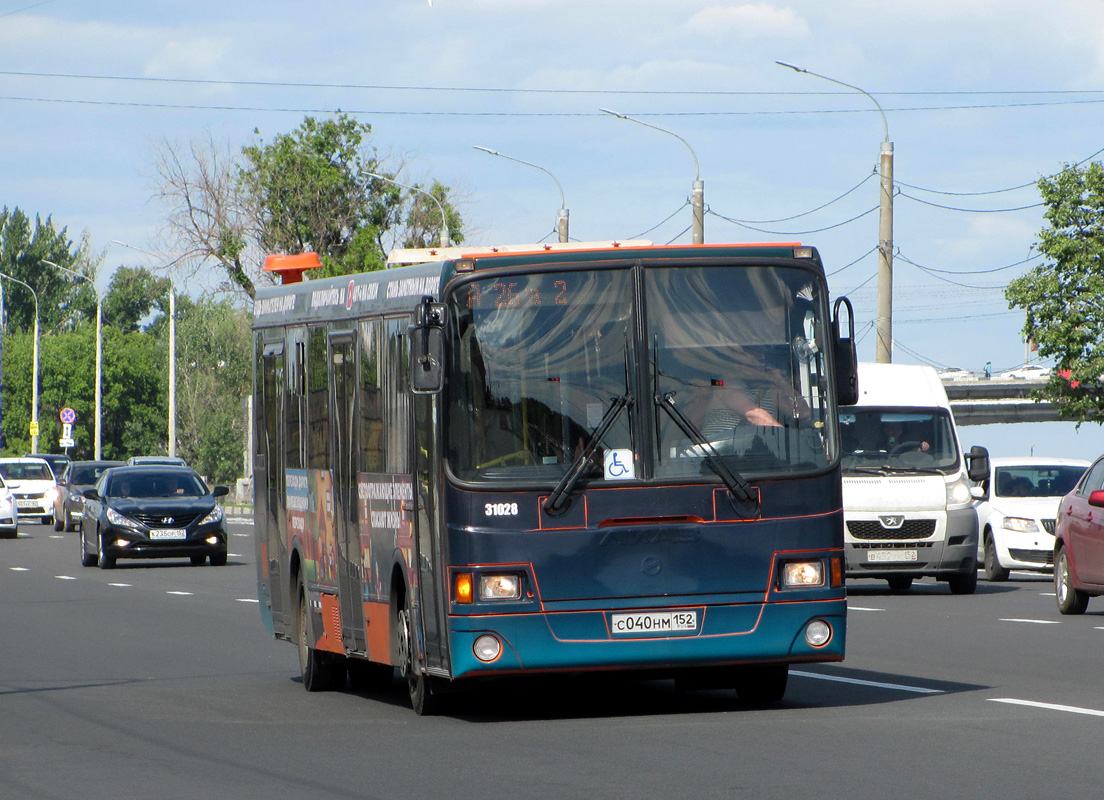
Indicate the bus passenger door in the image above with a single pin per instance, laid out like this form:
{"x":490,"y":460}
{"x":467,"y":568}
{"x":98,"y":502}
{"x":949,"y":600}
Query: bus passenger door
{"x":428,"y":531}
{"x":350,"y":567}
{"x":268,"y":485}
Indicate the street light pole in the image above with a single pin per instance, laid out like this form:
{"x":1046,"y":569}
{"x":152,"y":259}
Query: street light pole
{"x":697,"y":189}
{"x":98,"y":425}
{"x":34,"y":369}
{"x":562,"y":220}
{"x":172,"y":347}
{"x":883,"y":324}
{"x":444,"y":240}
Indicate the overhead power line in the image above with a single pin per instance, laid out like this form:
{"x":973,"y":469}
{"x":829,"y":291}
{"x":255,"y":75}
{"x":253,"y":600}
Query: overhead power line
{"x":524,"y":90}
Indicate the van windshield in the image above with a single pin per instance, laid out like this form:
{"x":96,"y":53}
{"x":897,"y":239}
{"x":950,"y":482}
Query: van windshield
{"x":898,"y":439}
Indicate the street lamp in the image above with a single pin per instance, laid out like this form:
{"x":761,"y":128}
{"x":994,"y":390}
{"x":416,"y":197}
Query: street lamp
{"x":99,"y":353}
{"x":562,"y":220}
{"x":444,"y":240}
{"x":172,"y":348}
{"x":34,"y":369}
{"x":883,"y":324}
{"x":697,"y":192}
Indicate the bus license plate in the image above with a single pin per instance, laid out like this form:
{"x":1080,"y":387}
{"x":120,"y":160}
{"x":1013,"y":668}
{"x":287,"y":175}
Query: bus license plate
{"x":891,"y":555}
{"x":169,"y":533}
{"x":654,"y":622}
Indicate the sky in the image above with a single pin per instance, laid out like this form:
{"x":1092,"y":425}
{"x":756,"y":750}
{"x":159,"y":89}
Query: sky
{"x":980,"y":98}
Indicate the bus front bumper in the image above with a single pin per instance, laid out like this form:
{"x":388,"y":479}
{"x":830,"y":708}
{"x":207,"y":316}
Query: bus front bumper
{"x":627,"y":639}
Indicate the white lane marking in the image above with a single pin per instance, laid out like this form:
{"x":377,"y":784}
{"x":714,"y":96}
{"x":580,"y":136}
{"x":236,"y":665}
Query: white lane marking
{"x":65,"y":577}
{"x":56,"y":536}
{"x":248,"y":600}
{"x":863,"y":608}
{"x":1035,"y":621}
{"x":243,"y":535}
{"x":1098,"y":629}
{"x":1047,"y":594}
{"x":1092,"y":712}
{"x":234,"y":555}
{"x":182,"y":594}
{"x":19,"y":569}
{"x":857,"y":682}
{"x":121,"y":585}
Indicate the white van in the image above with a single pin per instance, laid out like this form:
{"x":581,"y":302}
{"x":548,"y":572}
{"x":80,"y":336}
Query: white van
{"x":907,"y":507}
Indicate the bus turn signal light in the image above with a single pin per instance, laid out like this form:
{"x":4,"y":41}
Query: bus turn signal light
{"x":464,"y":587}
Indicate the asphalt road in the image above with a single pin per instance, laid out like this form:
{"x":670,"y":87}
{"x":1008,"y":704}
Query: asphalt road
{"x":157,"y":680}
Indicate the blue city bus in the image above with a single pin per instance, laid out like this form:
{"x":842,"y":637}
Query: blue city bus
{"x":568,"y":459}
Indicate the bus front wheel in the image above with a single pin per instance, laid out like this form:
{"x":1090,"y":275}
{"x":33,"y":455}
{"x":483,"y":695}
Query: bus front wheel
{"x":423,"y":698}
{"x":762,"y":684}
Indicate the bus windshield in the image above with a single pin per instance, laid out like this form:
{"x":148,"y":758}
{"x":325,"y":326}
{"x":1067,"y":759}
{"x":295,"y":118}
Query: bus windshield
{"x":898,"y":439}
{"x":538,"y":360}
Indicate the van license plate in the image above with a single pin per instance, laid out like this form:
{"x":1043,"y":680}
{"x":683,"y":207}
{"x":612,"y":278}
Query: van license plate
{"x":891,"y":555}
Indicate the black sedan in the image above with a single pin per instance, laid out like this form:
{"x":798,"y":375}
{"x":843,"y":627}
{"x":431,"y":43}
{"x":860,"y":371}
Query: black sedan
{"x":152,"y":512}
{"x":69,"y":503}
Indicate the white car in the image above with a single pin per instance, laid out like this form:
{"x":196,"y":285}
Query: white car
{"x":1017,"y":509}
{"x":1028,"y":372}
{"x":33,"y":486}
{"x":9,"y":517}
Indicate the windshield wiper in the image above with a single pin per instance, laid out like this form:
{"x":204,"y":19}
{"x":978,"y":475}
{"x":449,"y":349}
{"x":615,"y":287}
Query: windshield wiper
{"x":865,"y":470}
{"x":557,"y":502}
{"x":738,"y":489}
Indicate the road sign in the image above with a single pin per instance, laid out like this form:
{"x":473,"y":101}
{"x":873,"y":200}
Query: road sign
{"x":68,"y":415}
{"x":66,"y":443}
{"x":34,"y":429}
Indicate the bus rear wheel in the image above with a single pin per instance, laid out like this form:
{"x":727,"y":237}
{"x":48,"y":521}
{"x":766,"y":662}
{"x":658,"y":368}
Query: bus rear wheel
{"x":322,"y":672}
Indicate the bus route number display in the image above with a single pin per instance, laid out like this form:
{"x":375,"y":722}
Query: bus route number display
{"x":513,"y":294}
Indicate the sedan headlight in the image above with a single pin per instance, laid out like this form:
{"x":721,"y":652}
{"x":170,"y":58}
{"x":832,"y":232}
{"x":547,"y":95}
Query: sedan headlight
{"x":115,"y":518}
{"x":214,"y":516}
{"x":1019,"y":524}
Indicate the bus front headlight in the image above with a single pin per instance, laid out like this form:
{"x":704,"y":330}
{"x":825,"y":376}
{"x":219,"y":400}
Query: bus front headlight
{"x":802,"y":573}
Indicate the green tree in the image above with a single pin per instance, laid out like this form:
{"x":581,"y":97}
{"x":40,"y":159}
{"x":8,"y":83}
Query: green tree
{"x":1062,"y":297}
{"x":214,"y":364}
{"x":24,"y":247}
{"x":308,"y":190}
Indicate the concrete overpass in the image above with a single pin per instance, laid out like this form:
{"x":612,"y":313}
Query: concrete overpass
{"x":982,"y":401}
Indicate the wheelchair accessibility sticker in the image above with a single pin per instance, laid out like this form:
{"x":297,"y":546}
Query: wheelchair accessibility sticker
{"x":620,"y":465}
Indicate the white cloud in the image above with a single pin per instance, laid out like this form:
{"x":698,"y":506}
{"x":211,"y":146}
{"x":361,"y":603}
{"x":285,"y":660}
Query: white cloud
{"x":752,"y":20}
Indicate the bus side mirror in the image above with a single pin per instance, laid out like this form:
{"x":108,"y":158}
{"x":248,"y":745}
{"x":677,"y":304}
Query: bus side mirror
{"x":846,"y":357}
{"x":978,"y":459}
{"x":427,"y":343}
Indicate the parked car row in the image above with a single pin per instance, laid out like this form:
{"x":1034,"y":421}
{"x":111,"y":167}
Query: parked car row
{"x":145,"y":507}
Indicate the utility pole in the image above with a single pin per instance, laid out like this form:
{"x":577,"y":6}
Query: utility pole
{"x":883,"y":323}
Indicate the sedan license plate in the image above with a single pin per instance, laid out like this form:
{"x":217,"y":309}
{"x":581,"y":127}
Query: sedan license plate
{"x":27,"y":503}
{"x":654,"y":622}
{"x":891,"y":555}
{"x":169,"y":533}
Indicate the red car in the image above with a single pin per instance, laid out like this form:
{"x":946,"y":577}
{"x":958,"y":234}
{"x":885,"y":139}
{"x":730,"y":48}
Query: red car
{"x":1079,"y":543}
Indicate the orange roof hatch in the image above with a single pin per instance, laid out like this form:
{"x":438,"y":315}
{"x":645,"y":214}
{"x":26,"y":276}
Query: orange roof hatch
{"x":291,"y":268}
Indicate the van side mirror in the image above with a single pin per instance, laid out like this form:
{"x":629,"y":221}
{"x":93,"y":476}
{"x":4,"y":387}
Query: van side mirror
{"x":427,"y":345}
{"x":978,"y":460}
{"x":846,"y":357}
